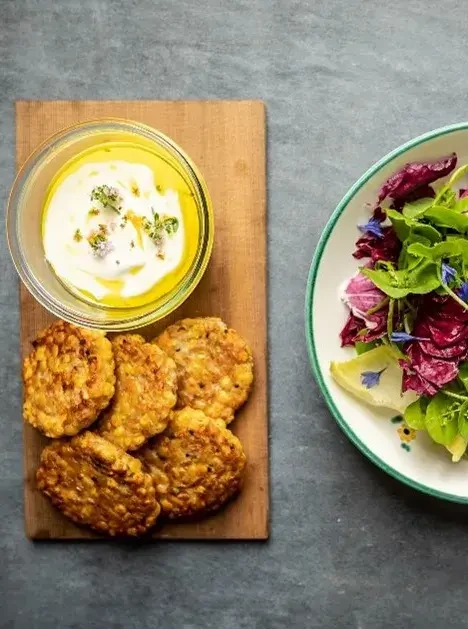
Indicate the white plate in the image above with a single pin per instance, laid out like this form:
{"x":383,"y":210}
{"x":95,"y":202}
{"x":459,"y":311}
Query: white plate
{"x":410,"y":457}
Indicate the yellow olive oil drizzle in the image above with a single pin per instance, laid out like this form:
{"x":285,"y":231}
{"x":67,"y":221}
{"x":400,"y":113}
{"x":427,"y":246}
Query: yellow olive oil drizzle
{"x":167,"y":177}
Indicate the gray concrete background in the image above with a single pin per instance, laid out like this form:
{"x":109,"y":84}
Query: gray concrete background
{"x":344,"y":81}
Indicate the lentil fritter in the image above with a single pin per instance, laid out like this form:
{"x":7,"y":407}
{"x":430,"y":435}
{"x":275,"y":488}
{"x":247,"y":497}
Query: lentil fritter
{"x":145,"y":392}
{"x":197,"y":464}
{"x":214,"y":365}
{"x":96,"y":483}
{"x":68,"y":379}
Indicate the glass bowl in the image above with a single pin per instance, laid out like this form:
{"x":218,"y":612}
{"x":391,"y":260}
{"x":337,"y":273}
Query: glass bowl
{"x":24,"y":218}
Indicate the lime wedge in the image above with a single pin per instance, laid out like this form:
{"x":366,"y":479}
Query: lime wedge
{"x":375,"y":378}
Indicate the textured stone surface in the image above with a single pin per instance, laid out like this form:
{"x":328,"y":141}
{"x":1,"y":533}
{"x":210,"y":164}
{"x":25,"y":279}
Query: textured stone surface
{"x":344,"y":82}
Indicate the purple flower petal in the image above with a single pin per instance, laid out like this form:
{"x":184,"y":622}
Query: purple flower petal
{"x":402,"y":337}
{"x":448,"y":273}
{"x":463,"y":292}
{"x":373,"y":227}
{"x":370,"y":379}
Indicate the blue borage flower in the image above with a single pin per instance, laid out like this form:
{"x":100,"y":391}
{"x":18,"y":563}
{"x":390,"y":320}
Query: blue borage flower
{"x":463,"y":292}
{"x":373,"y":226}
{"x":402,"y":337}
{"x":370,"y":379}
{"x":448,"y":273}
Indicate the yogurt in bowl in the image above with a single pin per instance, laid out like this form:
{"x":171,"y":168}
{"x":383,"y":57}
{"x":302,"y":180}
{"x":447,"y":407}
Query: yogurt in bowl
{"x":110,"y":225}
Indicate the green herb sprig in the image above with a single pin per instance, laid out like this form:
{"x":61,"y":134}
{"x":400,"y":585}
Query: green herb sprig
{"x":108,"y":197}
{"x":156,"y":228}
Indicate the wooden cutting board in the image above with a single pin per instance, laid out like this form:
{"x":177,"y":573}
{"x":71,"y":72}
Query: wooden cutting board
{"x":227,"y":141}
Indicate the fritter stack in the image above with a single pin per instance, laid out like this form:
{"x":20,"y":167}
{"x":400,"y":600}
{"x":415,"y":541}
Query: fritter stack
{"x":139,"y":427}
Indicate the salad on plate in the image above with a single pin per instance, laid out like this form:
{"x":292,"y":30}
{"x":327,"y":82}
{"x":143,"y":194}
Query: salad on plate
{"x":408,"y":303}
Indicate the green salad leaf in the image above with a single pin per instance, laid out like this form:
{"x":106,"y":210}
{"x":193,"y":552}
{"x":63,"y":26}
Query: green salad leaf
{"x":461,"y":206}
{"x":446,"y":422}
{"x":416,"y":208}
{"x":415,"y":414}
{"x":446,"y":195}
{"x":401,"y":224}
{"x":437,"y":252}
{"x":420,"y":279}
{"x":404,"y":226}
{"x":444,"y":217}
{"x":405,"y":259}
{"x":362,"y":348}
{"x":457,"y":174}
{"x":463,"y":421}
{"x":463,"y":374}
{"x":441,"y":419}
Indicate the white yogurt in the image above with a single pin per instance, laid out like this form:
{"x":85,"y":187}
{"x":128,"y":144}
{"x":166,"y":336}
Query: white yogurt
{"x":135,"y":260}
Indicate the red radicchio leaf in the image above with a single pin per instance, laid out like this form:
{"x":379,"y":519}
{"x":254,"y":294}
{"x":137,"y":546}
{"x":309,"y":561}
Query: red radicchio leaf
{"x":377,"y":332}
{"x":462,"y":193}
{"x":435,"y":370}
{"x":424,"y":192}
{"x":354,"y":327}
{"x":379,"y":214}
{"x":414,"y":382}
{"x":446,"y":332}
{"x":415,"y":175}
{"x":351,"y":328}
{"x":443,"y":307}
{"x":386,"y":248}
{"x":360,"y":295}
{"x":374,"y":335}
{"x":448,"y":308}
{"x":457,"y":350}
{"x":434,"y":362}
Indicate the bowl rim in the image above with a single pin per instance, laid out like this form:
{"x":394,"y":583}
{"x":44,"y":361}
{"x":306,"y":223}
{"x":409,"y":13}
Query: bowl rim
{"x":309,"y":307}
{"x":57,"y":309}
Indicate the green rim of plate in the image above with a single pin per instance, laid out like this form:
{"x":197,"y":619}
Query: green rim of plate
{"x":309,"y":307}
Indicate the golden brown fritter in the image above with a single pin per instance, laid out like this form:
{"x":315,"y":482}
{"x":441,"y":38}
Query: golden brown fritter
{"x":214,"y":365}
{"x":145,"y":392}
{"x":68,"y":379}
{"x":95,"y":483}
{"x":197,"y":464}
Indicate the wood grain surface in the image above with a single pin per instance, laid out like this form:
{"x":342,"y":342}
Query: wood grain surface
{"x":226,"y":139}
